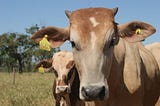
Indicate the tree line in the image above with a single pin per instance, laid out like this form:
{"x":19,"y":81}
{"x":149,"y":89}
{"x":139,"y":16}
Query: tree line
{"x":18,"y":50}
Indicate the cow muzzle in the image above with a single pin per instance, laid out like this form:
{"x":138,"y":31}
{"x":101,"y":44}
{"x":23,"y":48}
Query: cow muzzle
{"x":93,"y":92}
{"x":63,"y":89}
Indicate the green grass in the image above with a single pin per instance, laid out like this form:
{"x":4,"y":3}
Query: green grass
{"x":30,"y":89}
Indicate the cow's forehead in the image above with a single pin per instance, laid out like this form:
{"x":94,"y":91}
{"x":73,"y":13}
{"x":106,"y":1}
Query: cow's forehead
{"x":61,"y":58}
{"x":89,"y":24}
{"x":63,"y":55}
{"x":100,"y":14}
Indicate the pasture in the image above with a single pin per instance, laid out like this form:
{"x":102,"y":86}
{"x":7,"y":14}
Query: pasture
{"x":30,"y":89}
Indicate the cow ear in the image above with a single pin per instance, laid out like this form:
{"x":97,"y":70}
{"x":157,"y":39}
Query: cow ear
{"x":70,"y":64}
{"x":115,"y":10}
{"x":46,"y":63}
{"x":56,"y":36}
{"x":68,"y":13}
{"x":135,"y":31}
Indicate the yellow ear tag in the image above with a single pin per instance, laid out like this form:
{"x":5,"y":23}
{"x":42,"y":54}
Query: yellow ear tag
{"x":138,"y":31}
{"x":41,"y":69}
{"x":44,"y":44}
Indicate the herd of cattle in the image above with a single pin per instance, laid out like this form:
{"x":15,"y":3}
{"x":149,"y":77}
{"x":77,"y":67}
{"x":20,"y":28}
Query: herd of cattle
{"x":108,"y":65}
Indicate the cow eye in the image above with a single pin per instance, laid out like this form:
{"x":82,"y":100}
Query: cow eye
{"x":74,"y":45}
{"x":112,"y":43}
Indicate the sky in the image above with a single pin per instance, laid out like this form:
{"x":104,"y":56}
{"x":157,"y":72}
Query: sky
{"x":16,"y":15}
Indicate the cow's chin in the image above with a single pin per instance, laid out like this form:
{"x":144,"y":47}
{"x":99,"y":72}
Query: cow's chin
{"x":98,"y":93}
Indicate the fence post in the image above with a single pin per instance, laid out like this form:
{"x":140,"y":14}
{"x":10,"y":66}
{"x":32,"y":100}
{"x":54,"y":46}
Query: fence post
{"x":14,"y":75}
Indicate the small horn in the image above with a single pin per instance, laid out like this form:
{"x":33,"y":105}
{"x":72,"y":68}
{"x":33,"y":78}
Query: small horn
{"x":115,"y":10}
{"x":68,"y":13}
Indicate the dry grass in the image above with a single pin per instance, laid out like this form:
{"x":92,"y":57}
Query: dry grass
{"x":30,"y":89}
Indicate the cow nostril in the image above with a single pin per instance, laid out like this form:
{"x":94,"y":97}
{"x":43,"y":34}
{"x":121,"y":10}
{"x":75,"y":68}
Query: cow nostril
{"x":85,"y":90}
{"x":60,"y":89}
{"x":93,"y":92}
{"x":102,"y":92}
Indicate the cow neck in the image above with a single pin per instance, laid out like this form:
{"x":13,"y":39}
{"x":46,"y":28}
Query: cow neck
{"x":72,"y":76}
{"x":117,"y":66}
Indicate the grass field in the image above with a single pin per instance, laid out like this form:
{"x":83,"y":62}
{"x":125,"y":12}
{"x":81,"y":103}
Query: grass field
{"x":30,"y":89}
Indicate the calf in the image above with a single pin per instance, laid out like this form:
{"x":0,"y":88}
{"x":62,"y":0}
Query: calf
{"x":66,"y":85}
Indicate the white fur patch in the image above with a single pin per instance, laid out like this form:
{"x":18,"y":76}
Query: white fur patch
{"x":93,"y":21}
{"x":93,"y":39}
{"x":74,"y":35}
{"x":63,"y":102}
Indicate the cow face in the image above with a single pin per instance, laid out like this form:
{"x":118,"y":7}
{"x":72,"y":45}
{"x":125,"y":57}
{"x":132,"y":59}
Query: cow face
{"x":92,"y":41}
{"x":93,"y":34}
{"x":62,"y":63}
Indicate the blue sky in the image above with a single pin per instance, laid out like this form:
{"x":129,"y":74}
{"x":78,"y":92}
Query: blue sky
{"x":16,"y":15}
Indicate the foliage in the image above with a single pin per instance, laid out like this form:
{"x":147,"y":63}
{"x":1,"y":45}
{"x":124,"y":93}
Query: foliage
{"x":30,"y":89}
{"x":19,"y":50}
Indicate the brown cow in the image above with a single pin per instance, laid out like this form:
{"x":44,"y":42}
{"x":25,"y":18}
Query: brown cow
{"x":114,"y":68}
{"x":66,"y":84}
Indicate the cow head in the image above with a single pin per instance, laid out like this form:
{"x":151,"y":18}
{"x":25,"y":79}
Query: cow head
{"x":62,"y":63}
{"x":93,"y":34}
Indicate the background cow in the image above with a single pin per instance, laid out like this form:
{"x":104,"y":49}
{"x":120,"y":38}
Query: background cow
{"x":66,"y":84}
{"x":154,"y":48}
{"x":112,"y":64}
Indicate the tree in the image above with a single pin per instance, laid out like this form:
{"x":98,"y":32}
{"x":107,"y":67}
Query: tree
{"x":19,"y":49}
{"x":7,"y":48}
